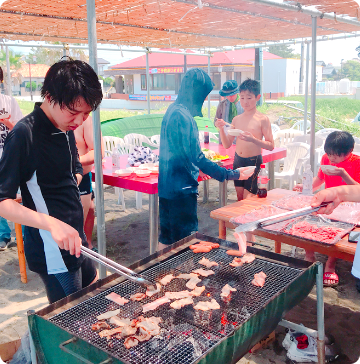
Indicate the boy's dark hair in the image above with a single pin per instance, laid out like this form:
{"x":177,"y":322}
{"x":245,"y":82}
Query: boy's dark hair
{"x":69,"y":79}
{"x":339,"y":143}
{"x":1,"y":75}
{"x":251,"y":86}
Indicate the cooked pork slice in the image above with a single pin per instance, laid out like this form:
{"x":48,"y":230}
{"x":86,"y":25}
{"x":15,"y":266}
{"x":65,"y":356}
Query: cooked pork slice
{"x":128,"y":331}
{"x":248,"y":258}
{"x":117,"y":298}
{"x":207,"y":263}
{"x":167,"y":279}
{"x":100,"y":325}
{"x":226,"y":290}
{"x":143,"y":335}
{"x":130,"y":342}
{"x":117,"y":321}
{"x":109,"y":333}
{"x":203,"y":272}
{"x":151,"y":325}
{"x":108,"y":314}
{"x":155,"y":304}
{"x":151,"y":292}
{"x":191,"y":284}
{"x":187,"y":275}
{"x":259,"y":279}
{"x":137,"y":296}
{"x":181,"y":303}
{"x":237,"y":262}
{"x":197,"y":291}
{"x":178,"y":295}
{"x":206,"y":305}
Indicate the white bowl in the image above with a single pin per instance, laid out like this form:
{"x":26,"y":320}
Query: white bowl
{"x":133,"y":169}
{"x":142,"y":173}
{"x":154,"y":170}
{"x":327,"y":168}
{"x":123,"y":172}
{"x":149,"y":165}
{"x":247,"y":171}
{"x":143,"y":167}
{"x":235,"y":132}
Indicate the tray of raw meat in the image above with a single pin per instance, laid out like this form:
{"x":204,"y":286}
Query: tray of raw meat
{"x":318,"y":229}
{"x":293,"y":202}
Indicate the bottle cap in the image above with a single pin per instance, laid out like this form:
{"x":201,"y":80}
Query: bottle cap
{"x":262,"y":166}
{"x":206,"y":126}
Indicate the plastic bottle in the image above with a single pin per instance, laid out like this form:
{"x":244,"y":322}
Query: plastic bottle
{"x":263,"y":180}
{"x":206,"y":135}
{"x":307,"y":180}
{"x":115,"y":158}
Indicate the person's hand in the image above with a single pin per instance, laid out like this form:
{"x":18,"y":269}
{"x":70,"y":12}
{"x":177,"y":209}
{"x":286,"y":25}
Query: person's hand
{"x":7,"y":122}
{"x":220,"y":123}
{"x":327,"y":195}
{"x":243,"y":174}
{"x":298,"y":187}
{"x":247,"y":136}
{"x":335,"y":172}
{"x":66,"y":237}
{"x":79,"y":178}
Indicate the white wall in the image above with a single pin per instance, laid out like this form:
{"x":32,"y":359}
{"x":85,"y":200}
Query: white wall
{"x":292,"y":76}
{"x":274,"y":75}
{"x":139,"y":91}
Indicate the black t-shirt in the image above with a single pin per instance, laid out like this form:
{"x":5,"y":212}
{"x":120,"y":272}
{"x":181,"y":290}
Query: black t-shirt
{"x":43,"y":161}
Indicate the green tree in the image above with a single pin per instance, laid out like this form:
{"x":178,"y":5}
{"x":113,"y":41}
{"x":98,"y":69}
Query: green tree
{"x":33,"y":86}
{"x":15,"y":63}
{"x":283,"y":50}
{"x":351,"y":70}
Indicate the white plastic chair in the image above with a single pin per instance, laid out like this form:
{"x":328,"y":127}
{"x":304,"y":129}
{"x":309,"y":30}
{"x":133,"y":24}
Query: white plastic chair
{"x":295,"y":156}
{"x":155,"y":139}
{"x":356,"y":149}
{"x":138,"y":140}
{"x":323,"y":133}
{"x":110,"y":143}
{"x":357,"y":140}
{"x":275,"y":128}
{"x":211,"y":136}
{"x":286,"y":136}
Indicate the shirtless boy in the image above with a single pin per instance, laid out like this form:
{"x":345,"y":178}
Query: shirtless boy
{"x":256,"y":127}
{"x":85,"y":145}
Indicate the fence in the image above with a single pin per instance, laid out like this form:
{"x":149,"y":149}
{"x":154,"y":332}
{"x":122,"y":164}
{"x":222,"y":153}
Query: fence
{"x":332,"y":87}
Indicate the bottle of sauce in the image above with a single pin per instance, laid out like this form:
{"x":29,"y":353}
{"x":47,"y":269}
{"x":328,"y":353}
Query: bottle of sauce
{"x":206,"y":135}
{"x":263,"y":180}
{"x":307,"y":181}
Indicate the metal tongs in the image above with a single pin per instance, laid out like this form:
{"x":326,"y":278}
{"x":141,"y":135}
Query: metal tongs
{"x":130,"y":274}
{"x":251,"y":226}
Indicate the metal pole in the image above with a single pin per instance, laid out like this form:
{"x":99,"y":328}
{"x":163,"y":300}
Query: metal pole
{"x":185,"y":64}
{"x":320,"y":314}
{"x":154,"y":222}
{"x":313,"y":94}
{"x":301,"y":78}
{"x":261,"y":74}
{"x":99,"y":188}
{"x":8,"y":75}
{"x":210,"y":92}
{"x":306,"y":86}
{"x":31,"y":95}
{"x":147,"y":82}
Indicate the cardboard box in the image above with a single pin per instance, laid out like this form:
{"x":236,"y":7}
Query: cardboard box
{"x":263,"y":343}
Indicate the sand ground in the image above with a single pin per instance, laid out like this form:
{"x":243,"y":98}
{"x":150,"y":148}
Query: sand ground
{"x":127,"y":235}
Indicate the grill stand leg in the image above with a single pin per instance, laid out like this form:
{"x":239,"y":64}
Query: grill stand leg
{"x":271,"y":175}
{"x":222,"y":230}
{"x":320,"y":314}
{"x":154,"y":222}
{"x":206,"y":191}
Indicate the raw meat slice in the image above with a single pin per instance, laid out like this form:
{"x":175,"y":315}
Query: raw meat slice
{"x":206,"y":305}
{"x":117,"y":321}
{"x":191,"y":284}
{"x":130,"y":342}
{"x":241,"y":240}
{"x":137,"y":296}
{"x":259,"y":279}
{"x":178,"y":295}
{"x":187,"y":275}
{"x":108,"y":314}
{"x":203,"y":272}
{"x":247,"y":258}
{"x":181,"y":303}
{"x":167,"y":279}
{"x":151,"y":292}
{"x":197,"y":291}
{"x":257,"y":214}
{"x":207,"y":263}
{"x":155,"y":304}
{"x":100,"y":325}
{"x":109,"y":333}
{"x":117,"y":298}
{"x":226,"y":290}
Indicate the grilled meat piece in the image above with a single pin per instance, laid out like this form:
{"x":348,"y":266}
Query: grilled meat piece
{"x":120,"y":322}
{"x":259,"y":279}
{"x":137,"y":296}
{"x":207,"y":263}
{"x":197,"y":291}
{"x":130,"y":342}
{"x":203,"y":272}
{"x":191,"y":284}
{"x":206,"y":305}
{"x":178,"y":295}
{"x":108,"y":314}
{"x":155,"y":304}
{"x":109,"y":333}
{"x":151,"y":292}
{"x":167,"y":279}
{"x":181,"y":303}
{"x":226,"y":291}
{"x":100,"y":325}
{"x":117,"y":298}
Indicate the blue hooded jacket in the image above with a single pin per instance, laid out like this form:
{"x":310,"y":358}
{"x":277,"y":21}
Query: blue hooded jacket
{"x":180,"y":157}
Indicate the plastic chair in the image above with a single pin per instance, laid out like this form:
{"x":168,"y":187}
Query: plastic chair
{"x":275,"y":128}
{"x":356,"y":149}
{"x":286,"y":136}
{"x":110,"y":142}
{"x":295,"y":157}
{"x":323,"y":133}
{"x":138,"y":140}
{"x":155,"y":139}
{"x":212,"y":136}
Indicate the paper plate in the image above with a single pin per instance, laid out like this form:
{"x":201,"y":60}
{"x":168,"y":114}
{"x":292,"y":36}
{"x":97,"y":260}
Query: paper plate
{"x":327,"y":168}
{"x":235,"y":132}
{"x":123,"y":172}
{"x":247,"y":171}
{"x":142,"y":173}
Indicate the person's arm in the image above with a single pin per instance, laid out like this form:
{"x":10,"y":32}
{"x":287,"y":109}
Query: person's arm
{"x":8,"y":123}
{"x":335,"y":196}
{"x":268,"y":143}
{"x":343,"y":174}
{"x":226,"y":139}
{"x":65,"y":236}
{"x":316,"y":184}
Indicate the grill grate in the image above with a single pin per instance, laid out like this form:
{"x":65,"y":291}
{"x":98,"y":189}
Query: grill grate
{"x":186,"y":334}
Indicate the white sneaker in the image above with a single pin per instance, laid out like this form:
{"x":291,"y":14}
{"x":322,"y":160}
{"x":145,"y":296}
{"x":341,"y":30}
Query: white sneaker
{"x":288,"y":338}
{"x":309,"y":355}
{"x":358,"y":361}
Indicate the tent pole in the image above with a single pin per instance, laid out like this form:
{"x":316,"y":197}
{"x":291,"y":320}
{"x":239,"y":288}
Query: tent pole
{"x":99,"y":188}
{"x":313,"y":94}
{"x":210,"y":92}
{"x":261,"y":75}
{"x":8,"y":74}
{"x":306,"y":86}
{"x":147,"y":81}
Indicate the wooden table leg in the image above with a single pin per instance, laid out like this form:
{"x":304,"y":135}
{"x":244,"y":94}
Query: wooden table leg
{"x":277,"y":247}
{"x":222,"y":230}
{"x":21,"y":254}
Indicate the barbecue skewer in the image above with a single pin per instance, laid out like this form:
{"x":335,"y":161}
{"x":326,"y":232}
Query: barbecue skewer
{"x":130,"y":274}
{"x":251,"y":226}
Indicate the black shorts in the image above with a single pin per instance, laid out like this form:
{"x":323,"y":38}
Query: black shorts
{"x":178,"y":218}
{"x":249,"y":184}
{"x":61,"y":285}
{"x":85,"y":186}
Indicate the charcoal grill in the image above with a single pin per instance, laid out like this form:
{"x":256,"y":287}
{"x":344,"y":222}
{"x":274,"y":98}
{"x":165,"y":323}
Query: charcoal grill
{"x":62,"y":331}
